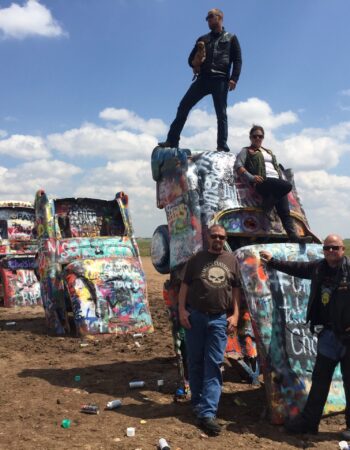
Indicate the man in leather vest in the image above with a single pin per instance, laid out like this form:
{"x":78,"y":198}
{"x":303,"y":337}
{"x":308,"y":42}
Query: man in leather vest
{"x":222,"y":50}
{"x":328,"y":309}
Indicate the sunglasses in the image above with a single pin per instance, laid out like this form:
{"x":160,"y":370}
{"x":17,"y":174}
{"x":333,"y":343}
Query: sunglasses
{"x":257,"y":136}
{"x":334,"y":248}
{"x":218,"y":236}
{"x":210,"y":16}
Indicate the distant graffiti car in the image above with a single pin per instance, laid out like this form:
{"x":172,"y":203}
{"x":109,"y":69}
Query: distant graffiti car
{"x":18,"y":282}
{"x":90,"y":267}
{"x":197,"y":189}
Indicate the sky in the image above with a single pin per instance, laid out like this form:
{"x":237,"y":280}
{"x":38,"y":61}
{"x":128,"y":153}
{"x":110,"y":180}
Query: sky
{"x":88,"y":88}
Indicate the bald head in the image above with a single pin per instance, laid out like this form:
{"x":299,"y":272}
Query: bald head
{"x":333,"y":249}
{"x":334,"y":238}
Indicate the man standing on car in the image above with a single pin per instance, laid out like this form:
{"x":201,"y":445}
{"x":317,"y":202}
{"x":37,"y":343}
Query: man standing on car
{"x":329,"y":308}
{"x":208,"y":310}
{"x":213,"y":77}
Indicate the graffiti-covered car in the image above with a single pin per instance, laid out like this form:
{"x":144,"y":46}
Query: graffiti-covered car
{"x":90,"y":267}
{"x":197,"y":189}
{"x":18,"y":282}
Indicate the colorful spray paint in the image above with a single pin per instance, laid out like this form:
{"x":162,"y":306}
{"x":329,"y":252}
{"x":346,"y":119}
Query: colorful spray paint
{"x":90,"y":264}
{"x":18,"y":282}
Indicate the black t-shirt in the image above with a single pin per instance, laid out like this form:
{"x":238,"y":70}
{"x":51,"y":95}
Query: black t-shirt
{"x":210,"y":278}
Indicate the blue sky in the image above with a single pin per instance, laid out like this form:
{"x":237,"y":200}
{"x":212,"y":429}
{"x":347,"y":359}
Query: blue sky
{"x":89,"y":86}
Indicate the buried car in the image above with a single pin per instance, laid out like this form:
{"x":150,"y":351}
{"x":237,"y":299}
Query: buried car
{"x":197,"y":189}
{"x":90,"y":267}
{"x":19,"y":285}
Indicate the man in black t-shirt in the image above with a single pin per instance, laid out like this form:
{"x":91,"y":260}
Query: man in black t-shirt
{"x":208,"y":310}
{"x":329,"y":308}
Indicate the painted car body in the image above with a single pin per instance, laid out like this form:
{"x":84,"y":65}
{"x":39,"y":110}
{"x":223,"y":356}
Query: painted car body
{"x":201,"y":188}
{"x":18,"y":282}
{"x":89,"y":264}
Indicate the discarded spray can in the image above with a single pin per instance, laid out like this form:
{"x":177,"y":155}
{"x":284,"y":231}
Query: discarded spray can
{"x":130,"y":431}
{"x":10,"y":324}
{"x":114,"y":404}
{"x":163,"y":445}
{"x":137,"y":335}
{"x":136,"y":384}
{"x":65,"y":423}
{"x":83,"y":344}
{"x":160,"y":384}
{"x":90,"y":409}
{"x":343,"y":445}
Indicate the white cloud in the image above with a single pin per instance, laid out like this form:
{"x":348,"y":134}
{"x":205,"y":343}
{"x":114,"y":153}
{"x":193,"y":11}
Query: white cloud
{"x":22,"y":182}
{"x":326,"y":199}
{"x":256,"y":111}
{"x":24,"y":146}
{"x":345,"y":92}
{"x":91,"y":140}
{"x":31,"y":19}
{"x":129,"y":120}
{"x":244,"y":114}
{"x":3,"y":134}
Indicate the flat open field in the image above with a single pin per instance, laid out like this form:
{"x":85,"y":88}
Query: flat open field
{"x":38,"y":391}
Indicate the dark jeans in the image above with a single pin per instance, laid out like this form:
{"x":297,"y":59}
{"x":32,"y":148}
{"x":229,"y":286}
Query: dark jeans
{"x":321,"y":381}
{"x":274,"y":191}
{"x":205,"y":344}
{"x":218,"y":88}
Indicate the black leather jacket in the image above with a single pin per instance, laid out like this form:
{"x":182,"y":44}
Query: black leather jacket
{"x":222,"y":50}
{"x":340,"y":297}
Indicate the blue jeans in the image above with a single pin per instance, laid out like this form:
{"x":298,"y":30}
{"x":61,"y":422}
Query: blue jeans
{"x":205,"y":344}
{"x":218,"y":88}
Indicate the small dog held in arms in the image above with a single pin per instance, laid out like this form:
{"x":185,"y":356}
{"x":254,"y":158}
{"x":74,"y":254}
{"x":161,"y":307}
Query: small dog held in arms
{"x":199,"y":58}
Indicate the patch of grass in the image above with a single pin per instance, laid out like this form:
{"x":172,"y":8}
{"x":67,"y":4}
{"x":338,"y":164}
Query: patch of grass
{"x":347,"y":246}
{"x":144,"y":246}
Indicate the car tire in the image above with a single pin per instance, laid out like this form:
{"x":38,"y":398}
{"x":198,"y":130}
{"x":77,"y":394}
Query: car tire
{"x":160,"y":251}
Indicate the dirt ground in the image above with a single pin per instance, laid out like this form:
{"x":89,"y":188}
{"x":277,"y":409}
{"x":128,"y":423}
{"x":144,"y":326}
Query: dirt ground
{"x":38,"y":391}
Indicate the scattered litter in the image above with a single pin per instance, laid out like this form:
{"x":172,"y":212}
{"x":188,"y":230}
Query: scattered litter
{"x":179,"y":392}
{"x":65,"y":423}
{"x":343,"y":445}
{"x":160,"y":384}
{"x":163,"y":445}
{"x":239,"y":402}
{"x":77,"y":378}
{"x":90,"y":408}
{"x":130,"y":431}
{"x":204,"y":436}
{"x":138,"y":345}
{"x":76,"y":391}
{"x":137,"y":335}
{"x":116,"y":439}
{"x":10,"y":324}
{"x":114,"y":404}
{"x":83,"y":344}
{"x":143,"y":421}
{"x":136,"y":384}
